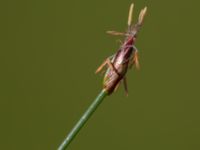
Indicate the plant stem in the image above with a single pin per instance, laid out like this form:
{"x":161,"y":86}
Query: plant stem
{"x":91,"y":109}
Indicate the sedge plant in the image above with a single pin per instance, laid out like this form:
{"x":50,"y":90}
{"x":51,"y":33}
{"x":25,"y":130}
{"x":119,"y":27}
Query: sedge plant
{"x":117,"y":66}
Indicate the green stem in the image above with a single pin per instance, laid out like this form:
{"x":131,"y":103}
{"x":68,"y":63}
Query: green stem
{"x":83,"y":120}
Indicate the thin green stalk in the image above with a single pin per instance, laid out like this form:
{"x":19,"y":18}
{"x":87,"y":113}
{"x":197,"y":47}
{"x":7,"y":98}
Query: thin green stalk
{"x":91,"y":109}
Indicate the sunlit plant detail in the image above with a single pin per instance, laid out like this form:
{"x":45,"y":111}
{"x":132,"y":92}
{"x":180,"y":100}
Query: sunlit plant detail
{"x":117,"y":66}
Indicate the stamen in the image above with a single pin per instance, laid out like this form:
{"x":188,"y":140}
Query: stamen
{"x":130,"y":14}
{"x":115,"y":33}
{"x":141,"y":16}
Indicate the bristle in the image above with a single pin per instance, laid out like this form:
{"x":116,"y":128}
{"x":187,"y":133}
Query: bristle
{"x":130,"y":14}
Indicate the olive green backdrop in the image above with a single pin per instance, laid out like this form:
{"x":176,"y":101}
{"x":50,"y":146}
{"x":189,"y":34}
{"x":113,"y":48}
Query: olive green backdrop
{"x":48,"y":54}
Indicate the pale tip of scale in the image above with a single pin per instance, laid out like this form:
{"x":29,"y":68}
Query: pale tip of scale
{"x":130,"y":14}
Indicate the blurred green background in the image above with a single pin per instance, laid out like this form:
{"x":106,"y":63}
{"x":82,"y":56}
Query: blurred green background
{"x":48,"y":54}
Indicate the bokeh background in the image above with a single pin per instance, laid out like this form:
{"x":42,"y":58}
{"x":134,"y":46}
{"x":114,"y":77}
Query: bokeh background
{"x":48,"y":54}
